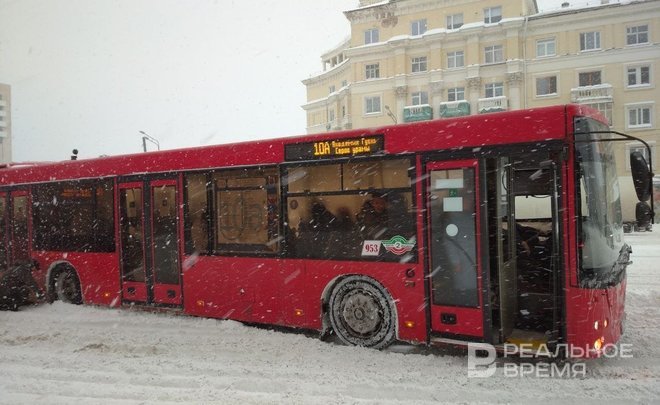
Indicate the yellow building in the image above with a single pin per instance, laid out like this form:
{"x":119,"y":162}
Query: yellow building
{"x":5,"y":123}
{"x":411,"y":60}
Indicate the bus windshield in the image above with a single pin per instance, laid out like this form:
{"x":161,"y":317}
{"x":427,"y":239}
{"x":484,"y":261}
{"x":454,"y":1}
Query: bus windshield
{"x":601,"y":223}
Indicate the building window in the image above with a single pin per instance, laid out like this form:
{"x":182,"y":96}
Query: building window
{"x":590,"y":41}
{"x":420,"y":97}
{"x":372,"y":71}
{"x":546,"y":86}
{"x":454,"y":21}
{"x":494,"y":90}
{"x":371,"y":36}
{"x":344,"y":83}
{"x":494,"y":54}
{"x":492,"y":15}
{"x":456,"y":94}
{"x":331,"y":89}
{"x":418,"y":27}
{"x":545,"y":47}
{"x":589,"y":78}
{"x":419,"y":64}
{"x":639,"y":76}
{"x":605,"y":109}
{"x":637,"y":35}
{"x":639,"y":116}
{"x":455,"y":59}
{"x":372,"y":105}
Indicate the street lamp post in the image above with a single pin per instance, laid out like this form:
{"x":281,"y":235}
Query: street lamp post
{"x":391,"y":114}
{"x":146,"y":137}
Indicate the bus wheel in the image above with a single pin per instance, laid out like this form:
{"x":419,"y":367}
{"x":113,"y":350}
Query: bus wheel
{"x":67,"y":287}
{"x":362,"y":313}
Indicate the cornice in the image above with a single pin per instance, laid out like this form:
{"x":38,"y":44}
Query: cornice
{"x":387,"y":13}
{"x":571,"y":16}
{"x":329,"y":74}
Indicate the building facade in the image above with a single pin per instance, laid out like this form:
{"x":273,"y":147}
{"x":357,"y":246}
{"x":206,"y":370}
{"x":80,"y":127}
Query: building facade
{"x":5,"y":123}
{"x":411,"y":60}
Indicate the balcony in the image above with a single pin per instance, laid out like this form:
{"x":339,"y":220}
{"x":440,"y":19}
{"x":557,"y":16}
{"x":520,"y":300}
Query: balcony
{"x":493,"y":104}
{"x":592,"y":94}
{"x":346,"y":122}
{"x":413,"y":113}
{"x":451,"y":109}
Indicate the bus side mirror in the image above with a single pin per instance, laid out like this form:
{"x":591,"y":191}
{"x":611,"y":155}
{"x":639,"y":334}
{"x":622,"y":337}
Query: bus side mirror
{"x":642,"y":176}
{"x":643,"y":215}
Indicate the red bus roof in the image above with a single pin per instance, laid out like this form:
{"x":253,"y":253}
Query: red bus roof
{"x":519,"y":126}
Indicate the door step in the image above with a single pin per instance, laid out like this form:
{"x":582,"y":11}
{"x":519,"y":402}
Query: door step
{"x":531,"y":339}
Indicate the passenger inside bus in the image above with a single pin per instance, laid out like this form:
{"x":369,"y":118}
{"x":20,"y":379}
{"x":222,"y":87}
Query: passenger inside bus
{"x":373,"y":217}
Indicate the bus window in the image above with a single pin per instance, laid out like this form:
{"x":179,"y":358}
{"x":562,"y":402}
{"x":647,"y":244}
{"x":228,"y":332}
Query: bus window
{"x":197,"y":214}
{"x":246,"y":211}
{"x":74,"y":216}
{"x":354,"y":215}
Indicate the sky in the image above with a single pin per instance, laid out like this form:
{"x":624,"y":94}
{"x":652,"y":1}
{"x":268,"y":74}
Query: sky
{"x":92,"y":74}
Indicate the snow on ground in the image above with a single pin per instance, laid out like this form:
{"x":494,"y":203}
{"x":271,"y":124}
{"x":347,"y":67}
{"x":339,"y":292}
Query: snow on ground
{"x":64,"y":354}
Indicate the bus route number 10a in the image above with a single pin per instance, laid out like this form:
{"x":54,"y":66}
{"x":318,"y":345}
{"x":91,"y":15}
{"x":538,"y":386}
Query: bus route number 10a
{"x":322,"y":148}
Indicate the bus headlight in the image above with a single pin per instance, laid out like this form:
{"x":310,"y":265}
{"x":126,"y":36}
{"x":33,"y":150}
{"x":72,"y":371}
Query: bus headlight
{"x":598,"y":344}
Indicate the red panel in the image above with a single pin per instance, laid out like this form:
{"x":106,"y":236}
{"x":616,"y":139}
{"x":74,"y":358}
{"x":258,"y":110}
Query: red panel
{"x":584,"y":308}
{"x":167,"y":294}
{"x":290,"y":292}
{"x":469,"y":321}
{"x":98,"y":273}
{"x":133,"y":291}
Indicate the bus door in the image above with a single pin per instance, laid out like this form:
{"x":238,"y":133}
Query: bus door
{"x":506,"y":277}
{"x":524,"y":230}
{"x":148,"y":226}
{"x":132,"y":240}
{"x":19,"y":240}
{"x":163,"y":232}
{"x":457,"y":307}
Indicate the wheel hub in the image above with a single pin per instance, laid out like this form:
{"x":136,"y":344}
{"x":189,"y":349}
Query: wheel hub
{"x":362,"y":313}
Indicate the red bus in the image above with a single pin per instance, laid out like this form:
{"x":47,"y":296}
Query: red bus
{"x":497,"y":228}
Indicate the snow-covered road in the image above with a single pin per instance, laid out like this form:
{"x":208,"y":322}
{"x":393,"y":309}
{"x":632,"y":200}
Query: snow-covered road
{"x":64,"y":354}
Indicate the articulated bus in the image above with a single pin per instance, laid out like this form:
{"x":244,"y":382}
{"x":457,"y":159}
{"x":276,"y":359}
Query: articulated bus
{"x":502,"y":228}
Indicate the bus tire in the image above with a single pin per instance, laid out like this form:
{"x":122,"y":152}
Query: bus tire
{"x":362,"y":313}
{"x":67,"y":287}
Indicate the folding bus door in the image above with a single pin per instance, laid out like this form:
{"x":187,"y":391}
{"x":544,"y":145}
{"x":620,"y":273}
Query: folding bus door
{"x":165,"y":262}
{"x":149,"y":227}
{"x":132,"y":240}
{"x":457,"y":307}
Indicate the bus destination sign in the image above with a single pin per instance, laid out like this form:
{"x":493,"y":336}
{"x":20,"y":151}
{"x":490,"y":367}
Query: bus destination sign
{"x":346,"y":147}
